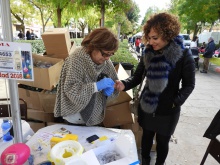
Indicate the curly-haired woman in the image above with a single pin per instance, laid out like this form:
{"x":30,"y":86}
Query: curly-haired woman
{"x":164,"y":65}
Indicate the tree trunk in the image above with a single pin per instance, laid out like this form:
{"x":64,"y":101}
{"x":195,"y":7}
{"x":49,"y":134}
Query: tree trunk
{"x":59,"y":12}
{"x":119,"y":30}
{"x":103,"y":14}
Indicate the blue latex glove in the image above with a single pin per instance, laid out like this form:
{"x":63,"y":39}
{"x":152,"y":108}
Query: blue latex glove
{"x":104,"y":83}
{"x":108,"y":91}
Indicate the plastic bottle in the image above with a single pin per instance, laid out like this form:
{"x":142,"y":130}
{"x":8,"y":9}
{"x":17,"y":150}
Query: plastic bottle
{"x":6,"y":125}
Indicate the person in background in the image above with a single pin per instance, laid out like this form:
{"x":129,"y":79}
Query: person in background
{"x":209,"y":50}
{"x":193,"y":43}
{"x":203,"y":45}
{"x":137,"y":44}
{"x":33,"y":35}
{"x":28,"y":35}
{"x":21,"y":35}
{"x":164,"y":65}
{"x":87,"y":80}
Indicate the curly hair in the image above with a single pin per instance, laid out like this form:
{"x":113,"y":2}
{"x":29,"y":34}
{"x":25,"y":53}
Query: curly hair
{"x":165,"y":24}
{"x":100,"y":38}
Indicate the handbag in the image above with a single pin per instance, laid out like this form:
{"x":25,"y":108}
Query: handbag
{"x":136,"y":100}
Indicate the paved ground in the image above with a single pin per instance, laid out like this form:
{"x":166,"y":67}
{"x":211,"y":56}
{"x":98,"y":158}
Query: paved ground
{"x":197,"y":114}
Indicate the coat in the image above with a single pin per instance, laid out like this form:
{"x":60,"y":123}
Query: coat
{"x":76,"y":90}
{"x":173,"y":96}
{"x":209,"y":50}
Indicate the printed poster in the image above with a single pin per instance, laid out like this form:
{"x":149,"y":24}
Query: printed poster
{"x":16,"y":61}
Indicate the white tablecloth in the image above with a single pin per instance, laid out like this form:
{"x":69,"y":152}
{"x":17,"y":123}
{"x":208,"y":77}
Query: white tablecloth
{"x":40,"y":142}
{"x":26,"y":130}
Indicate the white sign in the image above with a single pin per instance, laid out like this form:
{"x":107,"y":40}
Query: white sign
{"x":16,"y":61}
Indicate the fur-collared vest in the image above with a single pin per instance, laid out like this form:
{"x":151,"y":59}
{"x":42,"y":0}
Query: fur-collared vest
{"x":162,"y":93}
{"x":76,"y":90}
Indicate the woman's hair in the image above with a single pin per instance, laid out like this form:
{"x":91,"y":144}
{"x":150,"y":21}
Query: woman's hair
{"x":101,"y":38}
{"x":165,"y":24}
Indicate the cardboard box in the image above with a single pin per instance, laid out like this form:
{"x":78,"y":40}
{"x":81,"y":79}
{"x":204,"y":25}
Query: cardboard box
{"x":45,"y":78}
{"x":40,"y":115}
{"x":48,"y":101}
{"x":31,"y":97}
{"x":134,"y":127}
{"x":123,"y":96}
{"x":73,"y":47}
{"x":35,"y":126}
{"x":57,"y":42}
{"x":117,"y":115}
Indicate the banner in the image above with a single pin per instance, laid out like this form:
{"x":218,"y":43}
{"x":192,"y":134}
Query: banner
{"x":16,"y":61}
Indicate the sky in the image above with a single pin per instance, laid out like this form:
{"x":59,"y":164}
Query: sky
{"x":145,"y":4}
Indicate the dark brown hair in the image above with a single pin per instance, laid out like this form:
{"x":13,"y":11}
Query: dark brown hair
{"x":165,"y":24}
{"x":101,"y":38}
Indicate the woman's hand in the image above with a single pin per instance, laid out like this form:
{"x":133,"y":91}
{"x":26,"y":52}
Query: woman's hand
{"x":119,"y":85}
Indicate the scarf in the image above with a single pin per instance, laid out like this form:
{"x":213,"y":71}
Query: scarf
{"x":158,"y":65}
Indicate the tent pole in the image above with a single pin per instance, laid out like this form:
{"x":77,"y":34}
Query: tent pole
{"x":13,"y":87}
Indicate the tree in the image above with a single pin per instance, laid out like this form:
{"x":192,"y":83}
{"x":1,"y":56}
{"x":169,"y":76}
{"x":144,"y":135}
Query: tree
{"x":194,"y":15}
{"x":150,"y":11}
{"x":45,"y":10}
{"x":22,"y":12}
{"x":122,"y":5}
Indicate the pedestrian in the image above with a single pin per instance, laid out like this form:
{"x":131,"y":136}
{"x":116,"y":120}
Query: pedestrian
{"x":209,"y":51}
{"x":87,"y":80}
{"x":164,"y":65}
{"x":33,"y":35}
{"x":193,"y":43}
{"x":137,"y":44}
{"x":21,"y":35}
{"x":28,"y":35}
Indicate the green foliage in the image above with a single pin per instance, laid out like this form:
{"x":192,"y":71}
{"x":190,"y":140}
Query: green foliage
{"x":213,"y":60}
{"x":124,"y":55}
{"x":37,"y":45}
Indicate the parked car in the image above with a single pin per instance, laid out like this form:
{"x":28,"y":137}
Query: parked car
{"x":186,"y":40}
{"x":217,"y":53}
{"x":1,"y":37}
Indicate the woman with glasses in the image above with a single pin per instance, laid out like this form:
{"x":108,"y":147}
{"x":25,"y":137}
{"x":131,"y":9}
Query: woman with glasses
{"x":170,"y":78}
{"x":87,"y":80}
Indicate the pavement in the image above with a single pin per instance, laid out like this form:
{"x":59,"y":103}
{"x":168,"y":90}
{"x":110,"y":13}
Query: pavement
{"x":188,"y":144}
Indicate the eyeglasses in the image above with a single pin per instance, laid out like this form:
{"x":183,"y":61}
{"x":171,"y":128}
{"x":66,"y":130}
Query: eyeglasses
{"x":105,"y":54}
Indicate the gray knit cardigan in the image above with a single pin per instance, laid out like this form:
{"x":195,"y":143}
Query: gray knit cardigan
{"x":76,"y":91}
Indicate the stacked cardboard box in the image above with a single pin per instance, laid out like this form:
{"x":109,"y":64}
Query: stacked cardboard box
{"x":138,"y":132}
{"x":118,"y":112}
{"x":41,"y":102}
{"x":57,"y":42}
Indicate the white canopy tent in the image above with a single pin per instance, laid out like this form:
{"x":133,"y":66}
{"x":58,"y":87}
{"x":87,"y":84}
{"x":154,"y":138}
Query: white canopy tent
{"x":139,"y":34}
{"x":13,"y":87}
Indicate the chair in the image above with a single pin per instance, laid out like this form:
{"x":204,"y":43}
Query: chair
{"x":5,"y":105}
{"x":213,"y":149}
{"x":211,"y":133}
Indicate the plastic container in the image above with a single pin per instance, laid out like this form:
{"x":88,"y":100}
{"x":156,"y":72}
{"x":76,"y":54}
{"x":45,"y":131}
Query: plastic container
{"x":6,"y":126}
{"x":55,"y":140}
{"x":65,"y":151}
{"x":16,"y":154}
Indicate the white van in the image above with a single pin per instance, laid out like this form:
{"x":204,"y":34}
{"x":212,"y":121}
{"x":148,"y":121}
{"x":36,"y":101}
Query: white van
{"x":186,"y":40}
{"x":204,"y":37}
